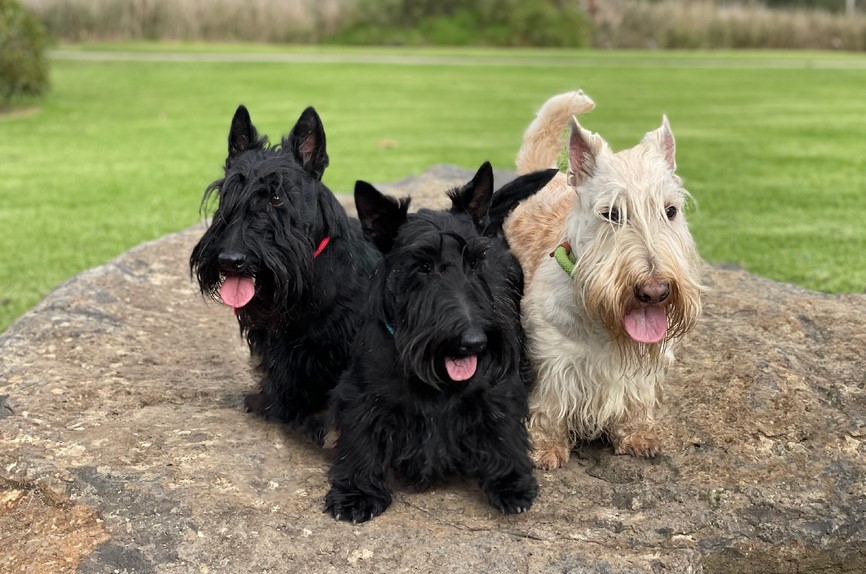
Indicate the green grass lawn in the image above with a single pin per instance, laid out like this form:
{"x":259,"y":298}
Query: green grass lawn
{"x":771,"y":145}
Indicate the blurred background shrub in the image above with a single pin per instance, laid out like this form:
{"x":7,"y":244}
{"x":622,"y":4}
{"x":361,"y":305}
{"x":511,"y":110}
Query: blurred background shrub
{"x":709,"y":24}
{"x":23,"y":70}
{"x":560,"y":23}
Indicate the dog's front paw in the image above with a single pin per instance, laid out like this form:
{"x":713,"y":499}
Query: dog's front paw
{"x":355,"y":506}
{"x":513,"y":495}
{"x":643,"y":444}
{"x":552,"y":457}
{"x":256,"y":403}
{"x":551,"y":444}
{"x":312,"y":426}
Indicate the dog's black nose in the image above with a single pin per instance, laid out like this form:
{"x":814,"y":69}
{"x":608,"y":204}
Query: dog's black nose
{"x":472,"y":342}
{"x":652,"y":291}
{"x":232,"y":261}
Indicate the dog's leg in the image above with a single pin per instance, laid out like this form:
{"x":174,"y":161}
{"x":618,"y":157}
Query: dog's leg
{"x":511,"y":493}
{"x":311,"y":425}
{"x":636,"y":435}
{"x":359,"y":489}
{"x":551,"y":443}
{"x":509,"y":484}
{"x":357,"y":499}
{"x":289,"y":404}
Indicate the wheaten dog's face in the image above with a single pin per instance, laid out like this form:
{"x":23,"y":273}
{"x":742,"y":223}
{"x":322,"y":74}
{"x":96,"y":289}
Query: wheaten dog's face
{"x":638,"y":271}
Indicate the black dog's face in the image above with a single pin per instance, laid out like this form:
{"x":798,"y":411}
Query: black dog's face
{"x":449,"y":288}
{"x":258,"y":251}
{"x":439,"y":298}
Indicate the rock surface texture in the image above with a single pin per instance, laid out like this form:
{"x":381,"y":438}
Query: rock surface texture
{"x":124,"y":447}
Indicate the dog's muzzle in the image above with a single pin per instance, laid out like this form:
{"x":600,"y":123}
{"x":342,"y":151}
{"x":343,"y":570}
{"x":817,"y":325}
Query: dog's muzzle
{"x":463,"y":367}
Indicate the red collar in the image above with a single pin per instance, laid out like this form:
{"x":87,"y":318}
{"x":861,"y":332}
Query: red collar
{"x":321,"y":247}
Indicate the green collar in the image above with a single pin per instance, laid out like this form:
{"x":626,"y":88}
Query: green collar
{"x":565,"y":257}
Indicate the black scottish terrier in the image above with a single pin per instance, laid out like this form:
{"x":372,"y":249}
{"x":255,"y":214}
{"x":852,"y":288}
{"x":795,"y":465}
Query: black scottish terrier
{"x":437,"y":384}
{"x":283,"y":253}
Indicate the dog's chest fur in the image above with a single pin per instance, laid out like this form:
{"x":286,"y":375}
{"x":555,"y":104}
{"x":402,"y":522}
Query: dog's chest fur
{"x":426,"y":434}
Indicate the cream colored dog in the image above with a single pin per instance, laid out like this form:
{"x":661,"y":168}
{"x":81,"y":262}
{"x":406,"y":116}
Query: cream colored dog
{"x":612,"y":282}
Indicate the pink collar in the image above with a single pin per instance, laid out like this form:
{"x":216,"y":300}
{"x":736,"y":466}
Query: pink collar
{"x":321,"y":247}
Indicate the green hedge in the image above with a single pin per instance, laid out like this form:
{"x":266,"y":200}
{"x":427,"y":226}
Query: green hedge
{"x":558,"y":23}
{"x":23,"y":68}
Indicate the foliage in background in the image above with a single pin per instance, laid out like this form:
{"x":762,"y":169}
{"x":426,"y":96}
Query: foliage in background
{"x":478,"y":22}
{"x":555,"y":23}
{"x":827,"y":5}
{"x":295,"y":21}
{"x":23,"y":69}
{"x":712,"y":24}
{"x":706,"y":24}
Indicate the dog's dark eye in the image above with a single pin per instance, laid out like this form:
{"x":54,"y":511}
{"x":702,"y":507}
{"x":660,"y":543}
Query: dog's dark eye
{"x":611,"y":215}
{"x":425,"y":268}
{"x":671,"y":212}
{"x":475,"y":257}
{"x":276,"y":200}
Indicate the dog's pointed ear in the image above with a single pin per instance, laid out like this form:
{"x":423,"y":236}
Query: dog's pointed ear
{"x":663,"y":139}
{"x":474,"y":198}
{"x":583,"y":149}
{"x":242,"y":135}
{"x":381,"y":215}
{"x":509,"y":195}
{"x":306,"y":142}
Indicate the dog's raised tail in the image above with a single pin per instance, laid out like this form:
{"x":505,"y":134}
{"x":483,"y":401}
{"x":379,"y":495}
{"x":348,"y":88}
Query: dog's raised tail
{"x":541,"y":141}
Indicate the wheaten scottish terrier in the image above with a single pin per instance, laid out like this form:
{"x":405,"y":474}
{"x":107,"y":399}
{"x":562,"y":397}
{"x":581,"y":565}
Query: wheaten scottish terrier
{"x":612,"y":282}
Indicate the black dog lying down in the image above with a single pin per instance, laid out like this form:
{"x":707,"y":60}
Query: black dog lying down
{"x":437,"y":383}
{"x":283,"y":253}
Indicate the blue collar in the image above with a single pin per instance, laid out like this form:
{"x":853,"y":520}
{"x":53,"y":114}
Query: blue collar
{"x":390,"y":328}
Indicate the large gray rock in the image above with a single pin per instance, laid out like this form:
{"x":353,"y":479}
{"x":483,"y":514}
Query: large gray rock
{"x":124,"y":447}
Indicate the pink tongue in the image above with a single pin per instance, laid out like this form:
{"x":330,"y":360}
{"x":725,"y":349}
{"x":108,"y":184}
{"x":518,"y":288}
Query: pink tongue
{"x":462,"y":368}
{"x":237,"y":290}
{"x":647,"y":324}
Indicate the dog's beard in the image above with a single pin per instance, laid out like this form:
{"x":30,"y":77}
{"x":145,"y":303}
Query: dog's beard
{"x":435,"y":362}
{"x":438,"y":364}
{"x":664,"y":324}
{"x":267,"y":299}
{"x":605,"y":289}
{"x":420,"y":357}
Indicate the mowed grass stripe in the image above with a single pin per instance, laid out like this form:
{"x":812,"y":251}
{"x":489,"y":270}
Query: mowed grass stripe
{"x":120,"y":152}
{"x":459,"y":57}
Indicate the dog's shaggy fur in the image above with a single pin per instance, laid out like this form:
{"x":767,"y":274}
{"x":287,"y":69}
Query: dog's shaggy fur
{"x":282,"y":251}
{"x":600,"y":338}
{"x":437,"y":385}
